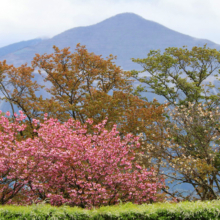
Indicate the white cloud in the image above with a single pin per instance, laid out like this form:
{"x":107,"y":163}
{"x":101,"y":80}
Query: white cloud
{"x":25,"y":19}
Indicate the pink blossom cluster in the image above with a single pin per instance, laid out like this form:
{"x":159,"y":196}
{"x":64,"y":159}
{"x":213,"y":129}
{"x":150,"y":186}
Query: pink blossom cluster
{"x":67,"y":164}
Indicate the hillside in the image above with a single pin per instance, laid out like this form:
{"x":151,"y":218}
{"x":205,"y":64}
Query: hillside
{"x":18,"y":46}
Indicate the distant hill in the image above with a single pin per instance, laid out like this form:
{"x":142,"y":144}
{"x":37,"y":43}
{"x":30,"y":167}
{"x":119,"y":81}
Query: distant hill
{"x":125,"y":35}
{"x":18,"y":46}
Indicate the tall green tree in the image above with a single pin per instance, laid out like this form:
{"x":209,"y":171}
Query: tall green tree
{"x":190,"y":151}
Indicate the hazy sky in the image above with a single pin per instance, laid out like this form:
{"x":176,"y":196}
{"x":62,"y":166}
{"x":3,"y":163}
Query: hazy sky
{"x":29,"y":19}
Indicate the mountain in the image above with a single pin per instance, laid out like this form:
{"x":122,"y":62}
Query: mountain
{"x":125,"y":35}
{"x":18,"y":46}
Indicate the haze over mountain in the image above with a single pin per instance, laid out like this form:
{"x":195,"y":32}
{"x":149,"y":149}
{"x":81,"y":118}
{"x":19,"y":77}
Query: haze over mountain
{"x":125,"y":35}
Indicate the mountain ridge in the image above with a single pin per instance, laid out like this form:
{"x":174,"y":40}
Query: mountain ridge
{"x":18,"y":46}
{"x":125,"y":35}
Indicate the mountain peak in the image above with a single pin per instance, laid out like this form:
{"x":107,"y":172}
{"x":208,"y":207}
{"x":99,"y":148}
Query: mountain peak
{"x":125,"y":35}
{"x":126,"y":15}
{"x":125,"y":19}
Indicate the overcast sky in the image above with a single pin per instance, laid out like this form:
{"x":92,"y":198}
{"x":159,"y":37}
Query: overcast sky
{"x":29,"y":19}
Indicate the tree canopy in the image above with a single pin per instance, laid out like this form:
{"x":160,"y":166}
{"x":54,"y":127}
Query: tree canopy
{"x":178,"y":140}
{"x":180,"y":75}
{"x":82,"y":85}
{"x":190,"y":149}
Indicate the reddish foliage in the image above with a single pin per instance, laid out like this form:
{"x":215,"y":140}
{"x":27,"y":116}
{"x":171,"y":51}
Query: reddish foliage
{"x":66,"y":164}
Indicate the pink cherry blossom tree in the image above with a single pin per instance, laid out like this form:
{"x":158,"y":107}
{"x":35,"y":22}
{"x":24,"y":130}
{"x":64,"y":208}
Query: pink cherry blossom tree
{"x":13,"y":159}
{"x":66,"y":164}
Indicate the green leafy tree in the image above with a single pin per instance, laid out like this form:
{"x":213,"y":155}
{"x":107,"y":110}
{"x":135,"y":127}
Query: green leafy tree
{"x":190,"y":150}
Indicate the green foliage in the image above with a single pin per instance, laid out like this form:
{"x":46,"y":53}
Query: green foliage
{"x":184,"y":210}
{"x":179,"y":74}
